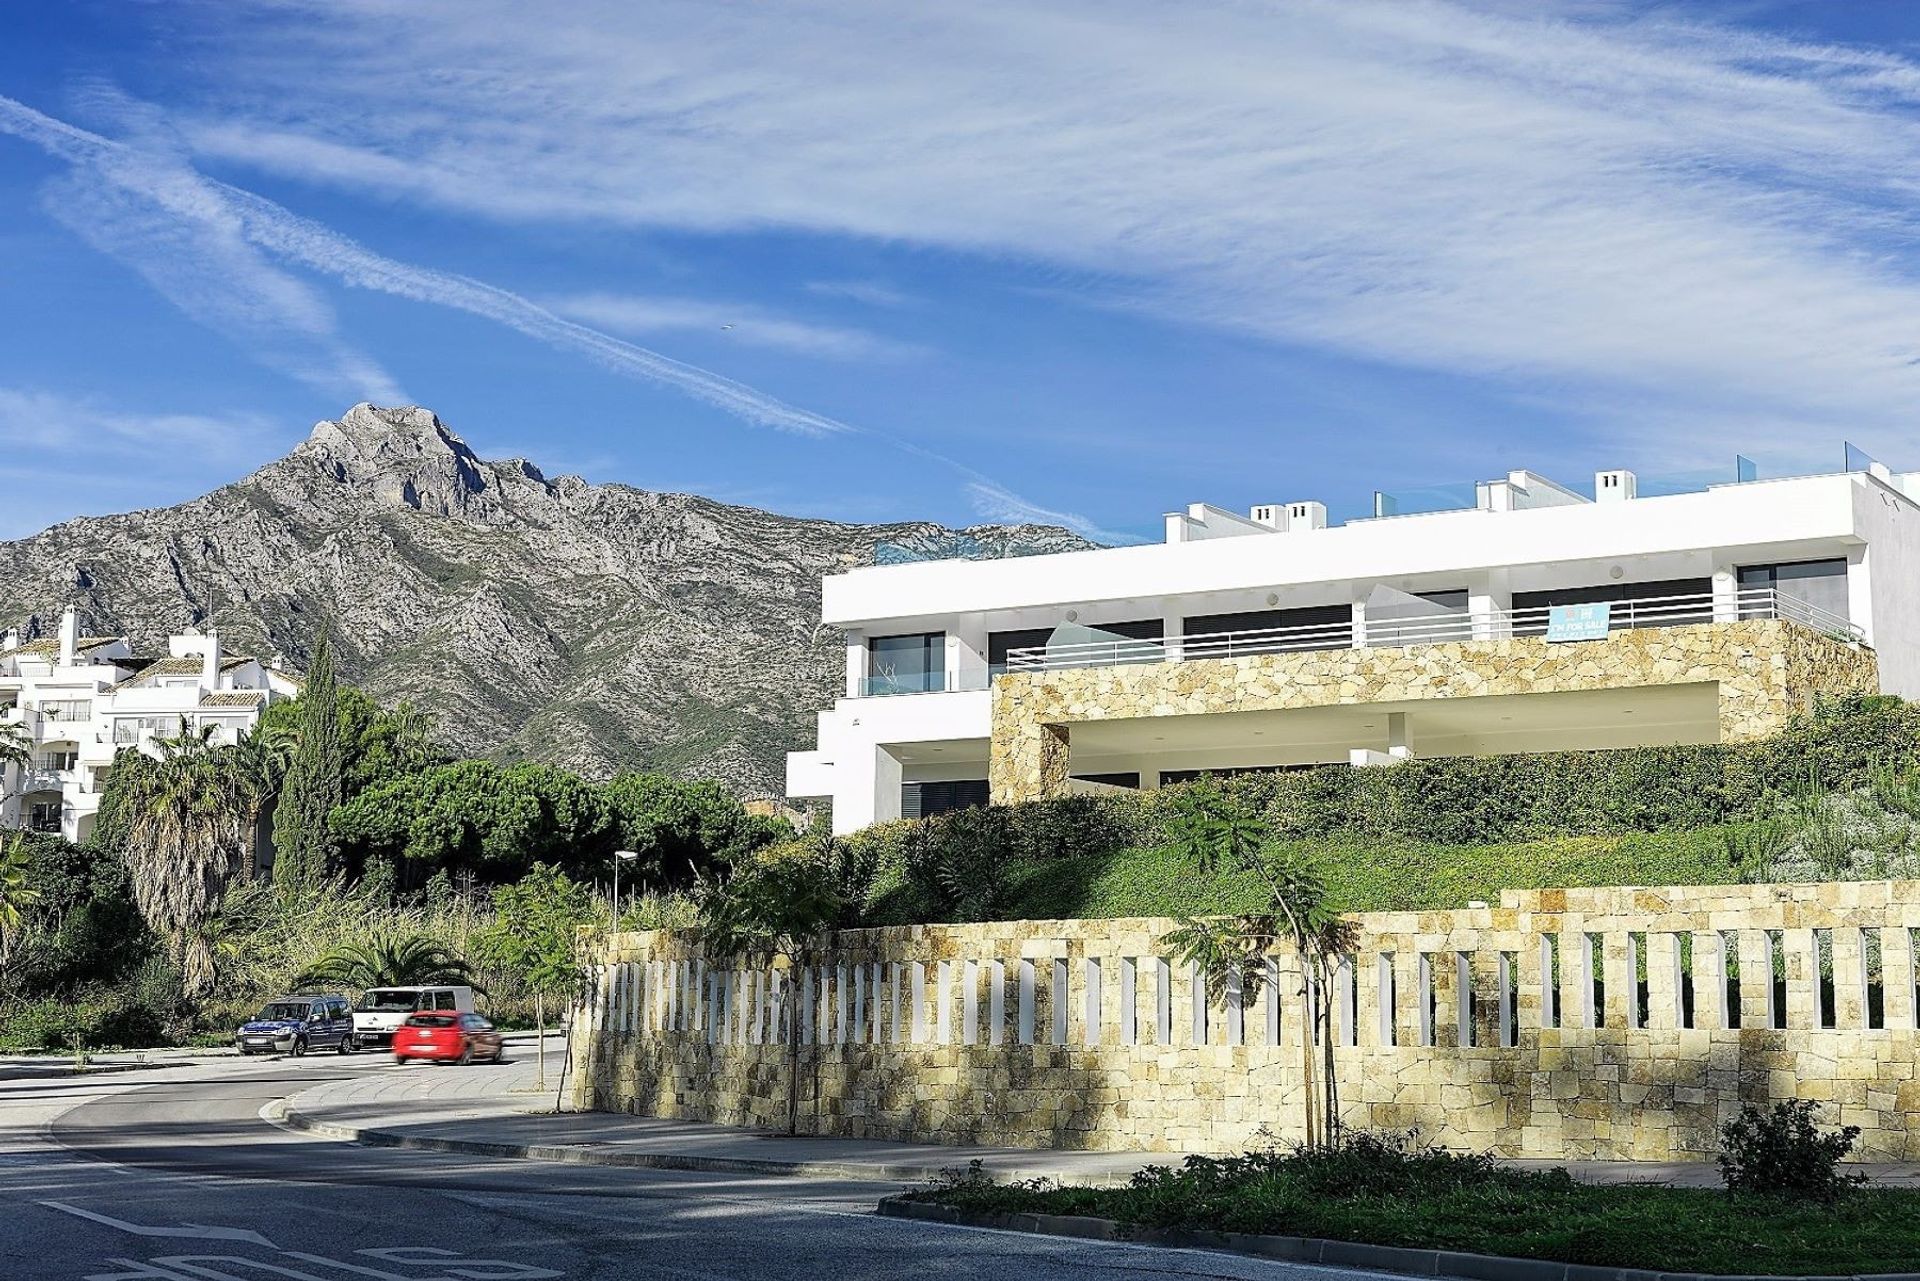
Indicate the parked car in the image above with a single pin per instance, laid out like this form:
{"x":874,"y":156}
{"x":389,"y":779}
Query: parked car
{"x":383,"y":1009}
{"x":450,"y":1037}
{"x":295,"y":1024}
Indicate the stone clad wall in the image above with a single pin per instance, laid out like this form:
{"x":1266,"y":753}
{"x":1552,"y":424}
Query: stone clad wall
{"x":1485,"y":1028}
{"x":1766,"y":670}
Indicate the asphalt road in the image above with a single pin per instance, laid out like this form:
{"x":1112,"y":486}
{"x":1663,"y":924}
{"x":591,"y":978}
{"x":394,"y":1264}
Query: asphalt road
{"x":172,"y":1176}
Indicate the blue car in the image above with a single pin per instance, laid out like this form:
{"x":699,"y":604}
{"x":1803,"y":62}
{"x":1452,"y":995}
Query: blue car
{"x":295,"y":1024}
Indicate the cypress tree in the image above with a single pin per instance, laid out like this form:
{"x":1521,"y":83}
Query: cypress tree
{"x":313,"y":787}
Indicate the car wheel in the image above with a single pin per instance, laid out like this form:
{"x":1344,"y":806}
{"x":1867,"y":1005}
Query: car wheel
{"x":466,"y":1056}
{"x":345,"y":1046}
{"x":298,"y":1047}
{"x":399,"y":1060}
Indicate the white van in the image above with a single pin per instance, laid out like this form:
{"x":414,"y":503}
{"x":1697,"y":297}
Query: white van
{"x":382,"y":1009}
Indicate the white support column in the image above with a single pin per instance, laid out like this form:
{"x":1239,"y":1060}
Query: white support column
{"x":966,"y":655}
{"x":856,"y":663}
{"x":1726,"y":594}
{"x":1172,"y":635}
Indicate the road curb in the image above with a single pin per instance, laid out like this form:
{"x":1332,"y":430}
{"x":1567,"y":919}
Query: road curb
{"x":70,"y":1073}
{"x":283,"y":1113}
{"x":1382,"y":1258}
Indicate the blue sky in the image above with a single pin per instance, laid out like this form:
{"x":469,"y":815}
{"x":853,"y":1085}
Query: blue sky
{"x":1084,"y":262}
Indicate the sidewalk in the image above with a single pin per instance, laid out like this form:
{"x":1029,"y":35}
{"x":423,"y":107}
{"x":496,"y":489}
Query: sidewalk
{"x":484,"y":1110}
{"x":32,"y":1067}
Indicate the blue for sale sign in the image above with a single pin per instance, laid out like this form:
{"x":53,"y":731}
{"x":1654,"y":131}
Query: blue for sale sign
{"x":1579,"y":622}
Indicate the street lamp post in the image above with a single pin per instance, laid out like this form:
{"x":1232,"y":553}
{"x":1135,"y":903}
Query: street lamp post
{"x":619,"y":857}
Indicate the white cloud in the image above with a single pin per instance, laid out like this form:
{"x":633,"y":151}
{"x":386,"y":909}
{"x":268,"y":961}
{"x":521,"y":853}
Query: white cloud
{"x":1614,"y":208}
{"x":195,"y":238}
{"x":993,"y":502}
{"x":34,"y":418}
{"x":100,"y":456}
{"x":871,"y":292}
{"x":742,"y":322}
{"x":151,"y":211}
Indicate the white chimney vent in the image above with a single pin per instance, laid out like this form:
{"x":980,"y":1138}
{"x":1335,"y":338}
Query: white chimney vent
{"x":1614,"y":486}
{"x":1304,"y":516}
{"x":1272,"y":515}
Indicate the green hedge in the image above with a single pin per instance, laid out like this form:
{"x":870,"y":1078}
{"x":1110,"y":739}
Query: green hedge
{"x":1427,"y":833}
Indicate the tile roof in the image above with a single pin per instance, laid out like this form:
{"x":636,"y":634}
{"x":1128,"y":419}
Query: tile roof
{"x":49,"y":646}
{"x":234,"y":698}
{"x":191,"y":665}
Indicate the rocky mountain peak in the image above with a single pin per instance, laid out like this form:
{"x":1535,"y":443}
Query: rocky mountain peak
{"x":404,"y":455}
{"x":598,"y":627}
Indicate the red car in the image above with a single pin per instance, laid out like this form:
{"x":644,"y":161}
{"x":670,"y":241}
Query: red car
{"x":448,"y":1037}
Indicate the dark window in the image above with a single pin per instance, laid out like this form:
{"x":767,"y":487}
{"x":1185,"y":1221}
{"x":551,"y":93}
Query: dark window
{"x":924,"y":800}
{"x":1140,"y":629}
{"x":1819,"y":583}
{"x":910,"y":664}
{"x":1415,"y":618}
{"x":1660,"y":612}
{"x":1331,"y":628}
{"x":998,"y":643}
{"x":1127,"y":779}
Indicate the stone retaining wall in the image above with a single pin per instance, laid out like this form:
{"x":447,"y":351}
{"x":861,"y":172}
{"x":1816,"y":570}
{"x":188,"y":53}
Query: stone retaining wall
{"x":1513,"y":1029}
{"x":1765,"y":670}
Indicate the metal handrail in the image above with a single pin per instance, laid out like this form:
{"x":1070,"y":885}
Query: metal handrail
{"x":1427,"y":629}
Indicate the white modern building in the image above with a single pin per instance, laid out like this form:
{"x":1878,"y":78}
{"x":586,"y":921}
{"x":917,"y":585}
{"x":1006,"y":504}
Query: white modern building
{"x":1527,"y":616}
{"x":79,"y":700}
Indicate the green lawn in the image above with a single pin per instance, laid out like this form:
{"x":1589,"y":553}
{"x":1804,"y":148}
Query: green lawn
{"x":1465,"y":1204}
{"x":1361,"y":876}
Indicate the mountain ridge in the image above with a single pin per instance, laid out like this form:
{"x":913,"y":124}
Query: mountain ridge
{"x":593,"y":626}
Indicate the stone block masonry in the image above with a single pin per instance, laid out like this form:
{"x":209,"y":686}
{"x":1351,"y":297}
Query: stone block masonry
{"x":1765,"y":671}
{"x":1570,"y":1024}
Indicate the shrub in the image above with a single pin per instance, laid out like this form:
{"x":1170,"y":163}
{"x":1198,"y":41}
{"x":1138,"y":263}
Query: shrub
{"x":89,"y":1021}
{"x":1842,"y":745}
{"x":1781,"y":1153}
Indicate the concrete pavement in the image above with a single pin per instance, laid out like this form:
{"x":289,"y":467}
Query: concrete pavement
{"x":495,"y":1111}
{"x":171,"y":1175}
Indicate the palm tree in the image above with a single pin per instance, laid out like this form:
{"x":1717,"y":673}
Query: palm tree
{"x":781,"y":904}
{"x":16,"y":892}
{"x":187,"y":819}
{"x":1217,"y":831}
{"x":387,"y":960}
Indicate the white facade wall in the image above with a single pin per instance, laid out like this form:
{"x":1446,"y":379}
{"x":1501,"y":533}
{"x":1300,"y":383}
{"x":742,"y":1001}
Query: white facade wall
{"x":124,"y":709}
{"x":1529,"y":535}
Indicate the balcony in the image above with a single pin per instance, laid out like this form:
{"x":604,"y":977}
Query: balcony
{"x":940,"y":682}
{"x":1562,"y":622}
{"x":41,"y":779}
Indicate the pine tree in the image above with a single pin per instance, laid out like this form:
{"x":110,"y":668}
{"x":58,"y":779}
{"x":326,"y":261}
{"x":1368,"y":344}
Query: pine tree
{"x":313,"y":786}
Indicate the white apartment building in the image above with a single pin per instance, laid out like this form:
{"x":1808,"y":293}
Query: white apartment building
{"x":1528,"y":617}
{"x":82,"y":699}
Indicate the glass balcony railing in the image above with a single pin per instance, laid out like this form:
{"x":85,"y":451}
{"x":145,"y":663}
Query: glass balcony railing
{"x":1464,"y":496}
{"x":1596,"y":621}
{"x":890,"y":683}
